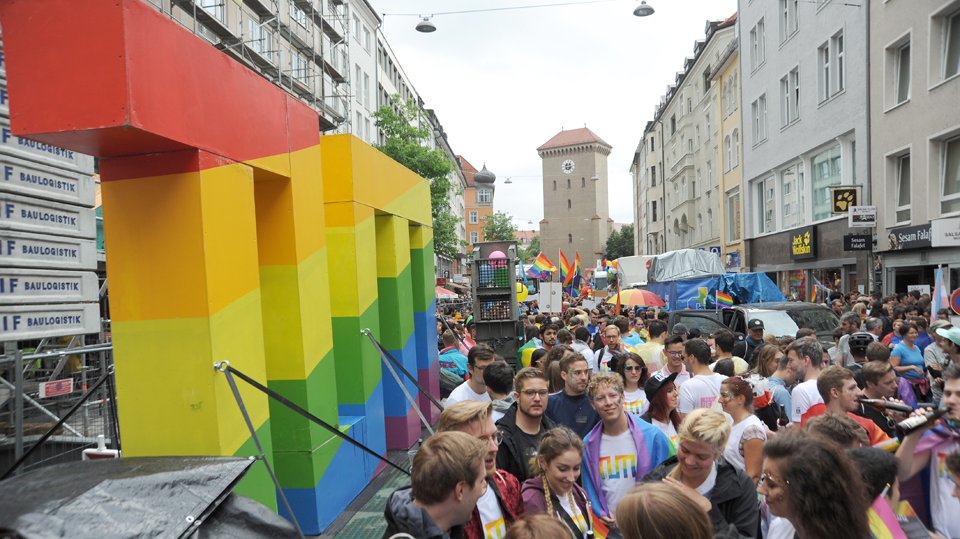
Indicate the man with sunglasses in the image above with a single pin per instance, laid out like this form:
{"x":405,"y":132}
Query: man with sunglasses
{"x":524,"y":424}
{"x":570,"y":406}
{"x":500,"y":505}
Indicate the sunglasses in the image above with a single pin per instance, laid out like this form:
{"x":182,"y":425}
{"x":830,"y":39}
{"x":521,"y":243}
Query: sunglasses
{"x":634,"y":368}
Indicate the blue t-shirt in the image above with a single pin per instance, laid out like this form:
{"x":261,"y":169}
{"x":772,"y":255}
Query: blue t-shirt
{"x":452,"y":361}
{"x":909,"y":357}
{"x":573,"y":412}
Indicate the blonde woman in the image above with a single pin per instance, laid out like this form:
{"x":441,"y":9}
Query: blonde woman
{"x":701,"y":473}
{"x":554,"y":490}
{"x":659,"y":511}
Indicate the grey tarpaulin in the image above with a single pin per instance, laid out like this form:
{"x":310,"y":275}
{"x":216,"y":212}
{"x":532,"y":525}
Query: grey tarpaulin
{"x":137,"y":497}
{"x":684,"y":264}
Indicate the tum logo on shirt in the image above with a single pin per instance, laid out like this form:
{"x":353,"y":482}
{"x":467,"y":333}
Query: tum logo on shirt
{"x":618,"y":467}
{"x":495,"y":530}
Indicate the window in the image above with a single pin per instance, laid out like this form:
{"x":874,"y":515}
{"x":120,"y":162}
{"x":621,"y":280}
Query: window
{"x":653,"y":145}
{"x":951,"y":46}
{"x":706,"y":121}
{"x":698,"y":136}
{"x":903,"y":188}
{"x":473,"y":218}
{"x":654,"y":210}
{"x":902,"y":73}
{"x":766,"y":194}
{"x":791,"y":196}
{"x":735,"y":158}
{"x":790,"y":97}
{"x":583,"y":182}
{"x":554,"y":185}
{"x":673,"y":124}
{"x":757,"y":54}
{"x":298,"y":67}
{"x":474,"y":237}
{"x":569,"y":204}
{"x":484,"y":196}
{"x":733,"y":215}
{"x":356,"y":27}
{"x":569,"y":238}
{"x":261,"y":39}
{"x":728,"y":151}
{"x":706,"y":85}
{"x":709,"y":223}
{"x":568,"y":183}
{"x":366,"y":90}
{"x":709,"y":174}
{"x":758,"y":111}
{"x":689,"y":105}
{"x":689,"y":145}
{"x":841,"y":76}
{"x":653,"y":176}
{"x":215,"y":9}
{"x":788,"y":18}
{"x":298,"y":15}
{"x":823,"y":57}
{"x":366,"y":38}
{"x":826,"y":173}
{"x":950,"y":176}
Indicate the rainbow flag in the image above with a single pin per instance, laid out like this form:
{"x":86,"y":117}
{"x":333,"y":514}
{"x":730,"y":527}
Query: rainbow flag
{"x":883,"y":521}
{"x":541,"y":268}
{"x":566,"y":270}
{"x":724,"y":300}
{"x":600,"y":529}
{"x":577,"y":269}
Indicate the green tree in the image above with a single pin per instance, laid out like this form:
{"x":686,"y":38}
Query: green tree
{"x":499,"y":227}
{"x":532,"y":250}
{"x":406,"y":140}
{"x":619,"y":243}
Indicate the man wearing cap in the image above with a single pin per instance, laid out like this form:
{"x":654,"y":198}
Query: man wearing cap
{"x":948,"y":340}
{"x":681,"y":330}
{"x":936,"y":359}
{"x":754,"y":340}
{"x":673,"y":359}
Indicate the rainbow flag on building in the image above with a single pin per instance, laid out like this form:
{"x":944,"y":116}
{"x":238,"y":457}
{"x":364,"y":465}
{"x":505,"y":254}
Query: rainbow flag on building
{"x":724,"y":300}
{"x":541,"y":268}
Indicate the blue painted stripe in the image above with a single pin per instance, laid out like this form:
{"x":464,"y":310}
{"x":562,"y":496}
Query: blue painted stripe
{"x":394,"y":401}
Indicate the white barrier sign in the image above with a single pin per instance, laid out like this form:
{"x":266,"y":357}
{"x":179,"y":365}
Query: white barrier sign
{"x":22,"y":177}
{"x":35,"y":215}
{"x":23,"y":322}
{"x":12,"y":145}
{"x":19,"y":286}
{"x":20,"y":249}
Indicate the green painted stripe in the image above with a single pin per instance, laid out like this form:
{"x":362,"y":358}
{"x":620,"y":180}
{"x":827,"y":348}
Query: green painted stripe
{"x":257,"y":483}
{"x":358,"y":363}
{"x":318,"y":394}
{"x":423,"y":277}
{"x":303,"y":469}
{"x":396,"y":309}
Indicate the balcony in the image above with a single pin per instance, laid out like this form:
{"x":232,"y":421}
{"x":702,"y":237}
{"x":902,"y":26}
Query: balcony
{"x":684,"y":162}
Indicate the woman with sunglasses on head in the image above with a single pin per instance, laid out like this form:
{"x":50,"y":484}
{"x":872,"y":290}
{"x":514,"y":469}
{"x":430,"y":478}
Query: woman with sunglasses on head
{"x":554,"y":489}
{"x":631,"y":368}
{"x":813,"y":484}
{"x":748,"y":434}
{"x":701,"y":473}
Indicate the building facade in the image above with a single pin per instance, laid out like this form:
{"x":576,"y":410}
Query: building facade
{"x":804,"y":89}
{"x":727,"y":154}
{"x":576,"y":216}
{"x":915,"y":139}
{"x":478,"y":200}
{"x":648,"y":181}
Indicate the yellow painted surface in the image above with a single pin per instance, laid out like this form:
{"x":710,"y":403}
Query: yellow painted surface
{"x":174,"y":403}
{"x":315,"y":310}
{"x":352,"y":256}
{"x":393,"y":245}
{"x":356,"y":171}
{"x":308,"y":207}
{"x":278,"y":165}
{"x":420,"y":236}
{"x":276,"y":241}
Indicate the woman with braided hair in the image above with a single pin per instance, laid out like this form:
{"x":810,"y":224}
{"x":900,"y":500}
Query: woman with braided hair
{"x":554,"y":489}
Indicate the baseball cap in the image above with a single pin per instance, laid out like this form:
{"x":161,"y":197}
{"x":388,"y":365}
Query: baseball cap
{"x":656,"y":382}
{"x":756,"y":323}
{"x":680,"y":329}
{"x":953,"y":334}
{"x":937,"y":324}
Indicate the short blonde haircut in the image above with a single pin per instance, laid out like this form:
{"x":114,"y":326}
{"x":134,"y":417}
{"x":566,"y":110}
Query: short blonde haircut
{"x":445,"y":459}
{"x":660,"y":511}
{"x":707,"y":426}
{"x":461,"y":414}
{"x":599,"y":381}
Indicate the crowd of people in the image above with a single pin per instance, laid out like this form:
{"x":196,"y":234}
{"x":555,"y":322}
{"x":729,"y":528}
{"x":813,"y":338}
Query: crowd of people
{"x":612,"y":424}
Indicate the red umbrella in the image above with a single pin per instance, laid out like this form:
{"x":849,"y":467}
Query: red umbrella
{"x":635,"y":296}
{"x":443,"y":293}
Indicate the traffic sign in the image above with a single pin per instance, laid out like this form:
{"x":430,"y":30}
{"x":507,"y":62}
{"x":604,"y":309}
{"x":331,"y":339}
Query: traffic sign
{"x":20,"y":286}
{"x":23,"y":322}
{"x":954,"y":301}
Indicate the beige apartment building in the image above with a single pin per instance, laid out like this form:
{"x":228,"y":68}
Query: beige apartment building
{"x":728,"y":155}
{"x":576,"y":215}
{"x":915,"y":139}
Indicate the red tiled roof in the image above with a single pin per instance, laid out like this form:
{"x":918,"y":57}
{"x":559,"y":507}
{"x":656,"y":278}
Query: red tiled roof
{"x":572,"y":137}
{"x":468,"y":171}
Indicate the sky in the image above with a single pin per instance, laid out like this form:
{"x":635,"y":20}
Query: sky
{"x":504,"y":82}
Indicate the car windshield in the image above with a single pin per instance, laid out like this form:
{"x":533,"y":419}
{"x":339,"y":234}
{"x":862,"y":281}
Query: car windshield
{"x":781,"y":323}
{"x":707,"y":326}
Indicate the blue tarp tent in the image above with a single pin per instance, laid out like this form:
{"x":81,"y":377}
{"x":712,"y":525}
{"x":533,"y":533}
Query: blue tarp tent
{"x":701,"y":293}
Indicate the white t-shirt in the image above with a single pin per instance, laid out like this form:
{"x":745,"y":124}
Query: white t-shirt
{"x":750,"y":428}
{"x":666,"y":428}
{"x":574,"y":512}
{"x":636,"y":401}
{"x":700,"y":391}
{"x":680,"y":379}
{"x":463,"y":393}
{"x":944,"y":508}
{"x":618,"y":467}
{"x":491,"y":518}
{"x":708,"y":483}
{"x":803,"y":397}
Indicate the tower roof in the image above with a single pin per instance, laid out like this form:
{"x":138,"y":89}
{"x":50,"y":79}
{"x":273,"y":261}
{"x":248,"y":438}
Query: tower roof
{"x":573,"y":137}
{"x":484,"y":176}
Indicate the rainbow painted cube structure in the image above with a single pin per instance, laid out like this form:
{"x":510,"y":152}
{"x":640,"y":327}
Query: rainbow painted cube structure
{"x":235,"y":231}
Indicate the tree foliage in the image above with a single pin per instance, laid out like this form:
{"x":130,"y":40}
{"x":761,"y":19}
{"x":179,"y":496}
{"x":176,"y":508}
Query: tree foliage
{"x":406,"y":140}
{"x":499,"y":227}
{"x":530,"y":252}
{"x":619,"y":243}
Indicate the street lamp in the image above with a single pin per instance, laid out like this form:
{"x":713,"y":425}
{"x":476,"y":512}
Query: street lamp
{"x":643,"y":10}
{"x":426,"y":26}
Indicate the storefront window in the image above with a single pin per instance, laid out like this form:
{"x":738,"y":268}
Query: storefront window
{"x":793,"y":284}
{"x":826,"y":281}
{"x":826,"y":173}
{"x":791,"y":194}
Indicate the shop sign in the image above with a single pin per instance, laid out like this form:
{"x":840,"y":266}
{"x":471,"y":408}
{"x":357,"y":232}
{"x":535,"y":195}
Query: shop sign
{"x":945,"y":232}
{"x":843,"y":198}
{"x":862,"y":217}
{"x":909,"y":237}
{"x":857,"y":242}
{"x":803,"y":243}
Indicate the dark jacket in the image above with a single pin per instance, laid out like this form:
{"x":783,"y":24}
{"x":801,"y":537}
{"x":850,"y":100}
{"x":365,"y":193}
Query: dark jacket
{"x":510,"y":456}
{"x":404,"y":517}
{"x":535,"y":501}
{"x":735,"y":511}
{"x":507,"y":489}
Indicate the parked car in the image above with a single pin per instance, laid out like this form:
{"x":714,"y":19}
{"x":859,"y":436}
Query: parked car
{"x":779,"y":319}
